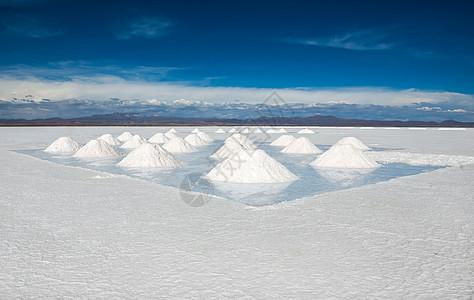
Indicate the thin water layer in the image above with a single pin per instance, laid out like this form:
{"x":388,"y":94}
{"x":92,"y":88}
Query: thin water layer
{"x":311,"y":181}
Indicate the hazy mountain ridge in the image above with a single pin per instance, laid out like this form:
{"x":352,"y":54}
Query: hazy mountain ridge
{"x":75,"y":108}
{"x":136,"y":119}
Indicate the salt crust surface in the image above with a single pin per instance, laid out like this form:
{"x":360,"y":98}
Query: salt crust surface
{"x":68,"y":234}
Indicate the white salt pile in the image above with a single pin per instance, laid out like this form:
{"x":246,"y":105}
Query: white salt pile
{"x":242,"y":139}
{"x":282,"y":131}
{"x":283,"y":140}
{"x":354,"y":142}
{"x":171,"y":135}
{"x":134,"y":142}
{"x":301,"y":145}
{"x":257,"y":130}
{"x":110,"y":139}
{"x":172,"y":130}
{"x":272,"y":131}
{"x":232,"y":130}
{"x":64,"y":144}
{"x":205,"y":137}
{"x":158,"y":138}
{"x":230,"y":148}
{"x":124,"y":136}
{"x":179,"y":145}
{"x":250,"y":166}
{"x":307,"y":131}
{"x":149,"y":156}
{"x":246,"y":130}
{"x":97,"y":148}
{"x":344,"y":156}
{"x":195,"y":130}
{"x":220,"y":130}
{"x":195,"y":140}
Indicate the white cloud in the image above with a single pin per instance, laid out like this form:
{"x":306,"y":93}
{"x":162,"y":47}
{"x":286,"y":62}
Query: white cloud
{"x":360,"y":41}
{"x":458,"y":110}
{"x":106,"y":87}
{"x":146,"y":27}
{"x":426,"y":108}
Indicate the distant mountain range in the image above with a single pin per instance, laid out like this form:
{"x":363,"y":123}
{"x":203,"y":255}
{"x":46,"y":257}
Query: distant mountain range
{"x":136,"y":119}
{"x":29,"y":109}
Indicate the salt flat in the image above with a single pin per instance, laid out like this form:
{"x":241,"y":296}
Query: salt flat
{"x":70,"y":232}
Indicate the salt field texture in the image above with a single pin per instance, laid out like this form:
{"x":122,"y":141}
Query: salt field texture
{"x":263,"y":185}
{"x":75,"y":232}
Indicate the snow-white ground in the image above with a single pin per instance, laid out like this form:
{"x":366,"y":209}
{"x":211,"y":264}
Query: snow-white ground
{"x":74,"y":233}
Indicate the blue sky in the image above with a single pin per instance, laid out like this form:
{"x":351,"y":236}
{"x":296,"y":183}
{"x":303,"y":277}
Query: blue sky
{"x":391,"y":53}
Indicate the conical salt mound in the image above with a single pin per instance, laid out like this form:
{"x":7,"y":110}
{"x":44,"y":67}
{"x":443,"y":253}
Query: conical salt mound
{"x":110,"y":139}
{"x":205,"y":137}
{"x":354,"y":142}
{"x":158,"y":138}
{"x":195,"y":140}
{"x":283,"y":140}
{"x":301,"y":145}
{"x":220,"y":130}
{"x":246,"y":130}
{"x":282,"y":131}
{"x":250,"y":166}
{"x":230,"y":148}
{"x":306,"y":131}
{"x":64,"y":144}
{"x":124,"y":136}
{"x":271,"y":131}
{"x":172,"y":130}
{"x":242,"y":139}
{"x":179,"y":145}
{"x":96,"y":148}
{"x":195,"y":130}
{"x":149,"y":156}
{"x":171,"y":135}
{"x":257,"y":130}
{"x":232,"y":130}
{"x":344,"y":156}
{"x":134,"y":142}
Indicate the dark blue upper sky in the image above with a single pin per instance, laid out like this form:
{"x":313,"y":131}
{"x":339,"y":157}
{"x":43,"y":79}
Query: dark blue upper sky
{"x":414,"y":44}
{"x":390,"y":45}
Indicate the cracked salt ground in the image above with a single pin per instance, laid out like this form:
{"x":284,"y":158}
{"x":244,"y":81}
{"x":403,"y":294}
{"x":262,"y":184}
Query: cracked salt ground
{"x":312,"y":181}
{"x":66,"y":234}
